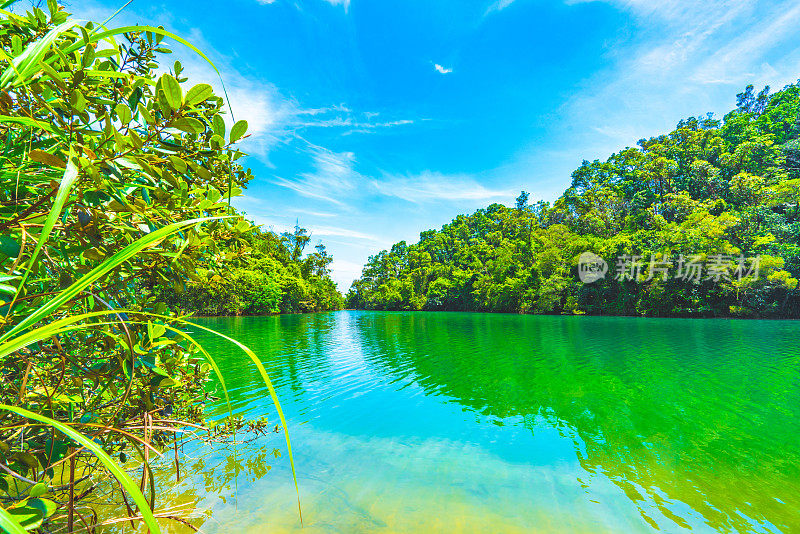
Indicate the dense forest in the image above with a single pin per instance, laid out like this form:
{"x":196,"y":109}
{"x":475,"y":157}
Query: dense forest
{"x":719,"y":196}
{"x":259,"y":273}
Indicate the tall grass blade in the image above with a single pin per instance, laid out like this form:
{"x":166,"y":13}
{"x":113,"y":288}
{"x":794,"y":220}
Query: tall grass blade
{"x":27,"y":121}
{"x":92,"y":276}
{"x":69,"y":178}
{"x":272,"y":394}
{"x":47,"y":331}
{"x":9,"y":524}
{"x":111,"y":465}
{"x":69,"y":323}
{"x":24,"y":66}
{"x":209,"y":359}
{"x":72,"y":323}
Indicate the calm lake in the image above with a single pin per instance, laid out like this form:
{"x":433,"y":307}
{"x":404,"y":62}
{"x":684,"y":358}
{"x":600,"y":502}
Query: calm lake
{"x":426,"y":422}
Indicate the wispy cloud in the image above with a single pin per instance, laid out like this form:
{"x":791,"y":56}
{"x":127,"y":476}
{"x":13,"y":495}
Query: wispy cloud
{"x":433,"y":186}
{"x":333,"y":176}
{"x":343,"y":3}
{"x":345,"y":232}
{"x":341,"y":116}
{"x":675,"y":11}
{"x":321,"y":214}
{"x":498,"y":5}
{"x":442,"y":70}
{"x":690,"y":56}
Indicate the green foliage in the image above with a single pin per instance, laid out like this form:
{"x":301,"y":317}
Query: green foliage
{"x":709,"y":187}
{"x":100,"y":158}
{"x":260,"y":273}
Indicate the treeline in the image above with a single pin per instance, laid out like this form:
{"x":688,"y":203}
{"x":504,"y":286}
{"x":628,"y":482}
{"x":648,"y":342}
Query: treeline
{"x":256,"y":274}
{"x":719,"y":196}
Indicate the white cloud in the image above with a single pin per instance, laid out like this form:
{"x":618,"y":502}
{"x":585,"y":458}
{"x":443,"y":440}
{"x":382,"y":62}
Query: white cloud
{"x":344,"y":232}
{"x":433,"y":186}
{"x":333,"y":176}
{"x":265,"y":2}
{"x":321,"y":214}
{"x":345,"y":272}
{"x":343,"y":3}
{"x":689,"y":57}
{"x":442,"y":70}
{"x":499,"y":5}
{"x":342,"y":117}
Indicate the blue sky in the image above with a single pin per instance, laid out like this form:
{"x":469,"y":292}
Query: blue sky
{"x":374,"y":120}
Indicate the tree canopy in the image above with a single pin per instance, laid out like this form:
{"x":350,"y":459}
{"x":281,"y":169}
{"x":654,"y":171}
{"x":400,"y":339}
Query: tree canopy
{"x":723,"y":194}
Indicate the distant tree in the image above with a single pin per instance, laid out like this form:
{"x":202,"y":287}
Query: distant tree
{"x":522,"y":201}
{"x":322,"y":260}
{"x":296,"y":241}
{"x":748,"y":102}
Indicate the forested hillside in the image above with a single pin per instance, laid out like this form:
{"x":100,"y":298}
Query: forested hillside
{"x":721,"y":195}
{"x":258,"y":273}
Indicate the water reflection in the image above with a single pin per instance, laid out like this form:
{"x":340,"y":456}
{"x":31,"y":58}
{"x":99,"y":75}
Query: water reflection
{"x":210,"y":473}
{"x":471,"y":422}
{"x":700,"y":412}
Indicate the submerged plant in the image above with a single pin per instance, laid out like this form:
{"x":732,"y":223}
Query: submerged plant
{"x":100,"y":156}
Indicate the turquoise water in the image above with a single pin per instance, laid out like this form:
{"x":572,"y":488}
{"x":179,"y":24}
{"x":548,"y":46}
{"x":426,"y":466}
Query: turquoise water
{"x":449,"y":422}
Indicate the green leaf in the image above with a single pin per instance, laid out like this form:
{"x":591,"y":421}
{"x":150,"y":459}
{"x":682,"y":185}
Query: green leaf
{"x":46,"y":506}
{"x":123,"y":112}
{"x":172,"y":90}
{"x":166,"y":382}
{"x":52,"y":6}
{"x":9,"y":246}
{"x":238,"y":130}
{"x":218,"y":125}
{"x":145,"y":113}
{"x":30,"y":518}
{"x":77,"y":100}
{"x":88,"y":57}
{"x":38,"y":490}
{"x":9,"y":523}
{"x":26,"y":121}
{"x":178,"y":163}
{"x":26,"y":458}
{"x":199,"y":93}
{"x":163,"y":103}
{"x":40,"y":156}
{"x":124,"y":479}
{"x":189,"y":125}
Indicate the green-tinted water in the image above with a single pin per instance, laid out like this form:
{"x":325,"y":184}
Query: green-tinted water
{"x":420,"y":422}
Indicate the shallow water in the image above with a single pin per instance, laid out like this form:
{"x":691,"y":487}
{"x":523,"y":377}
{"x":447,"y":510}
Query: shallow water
{"x":449,"y":422}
